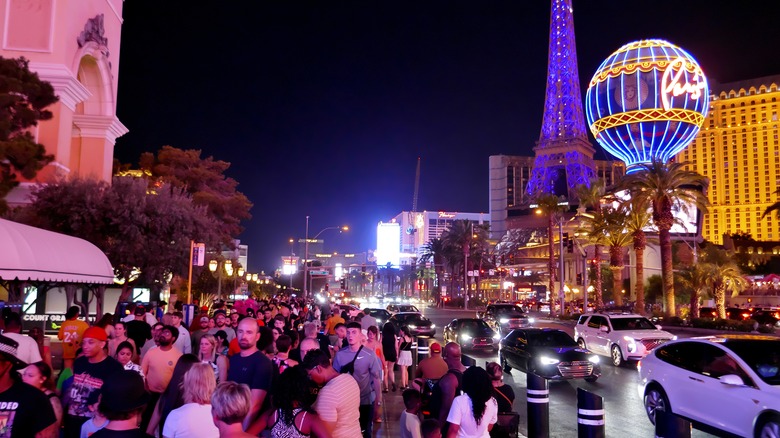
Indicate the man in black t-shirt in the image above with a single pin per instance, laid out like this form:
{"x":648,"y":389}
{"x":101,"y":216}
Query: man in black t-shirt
{"x":252,"y":367}
{"x":89,"y":373}
{"x":138,"y":329}
{"x":24,"y":411}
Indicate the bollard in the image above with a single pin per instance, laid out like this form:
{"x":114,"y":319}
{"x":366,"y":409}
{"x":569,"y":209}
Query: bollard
{"x":669,"y":425}
{"x":538,"y":396}
{"x":423,"y":349}
{"x":413,"y":368}
{"x":590,"y":415}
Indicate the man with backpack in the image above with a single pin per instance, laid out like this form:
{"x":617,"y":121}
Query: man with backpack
{"x":449,"y":386}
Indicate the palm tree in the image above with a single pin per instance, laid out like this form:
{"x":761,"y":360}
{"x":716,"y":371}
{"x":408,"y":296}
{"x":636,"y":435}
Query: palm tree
{"x":593,"y":228}
{"x":549,"y":205}
{"x":724,"y":276}
{"x":433,"y":252}
{"x":590,"y":196}
{"x":465,"y":243}
{"x":774,"y":207}
{"x":638,"y":218}
{"x":695,"y":278}
{"x":667,"y":186}
{"x":617,"y":237}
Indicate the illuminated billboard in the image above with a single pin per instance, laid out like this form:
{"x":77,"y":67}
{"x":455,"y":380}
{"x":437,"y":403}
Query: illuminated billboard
{"x":388,"y":244}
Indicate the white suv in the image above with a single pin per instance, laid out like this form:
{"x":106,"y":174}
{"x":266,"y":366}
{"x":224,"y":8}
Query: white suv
{"x":620,"y":336}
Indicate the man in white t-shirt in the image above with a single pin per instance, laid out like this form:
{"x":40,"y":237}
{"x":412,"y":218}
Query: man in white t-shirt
{"x":183,"y":342}
{"x":338,"y":402}
{"x":27,"y":351}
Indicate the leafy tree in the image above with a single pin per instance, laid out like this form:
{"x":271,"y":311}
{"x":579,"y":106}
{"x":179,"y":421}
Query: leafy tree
{"x":465,"y":239}
{"x":434,"y":252}
{"x":137,"y":229}
{"x":695,"y":278}
{"x":638,"y":218}
{"x":549,"y":206}
{"x":723,"y":276}
{"x":204,"y":179}
{"x":593,"y":228}
{"x":666,"y":185}
{"x":617,"y":238}
{"x":23,"y":101}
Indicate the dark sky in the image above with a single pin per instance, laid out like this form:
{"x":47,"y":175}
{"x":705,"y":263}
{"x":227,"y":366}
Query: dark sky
{"x":323,"y":107}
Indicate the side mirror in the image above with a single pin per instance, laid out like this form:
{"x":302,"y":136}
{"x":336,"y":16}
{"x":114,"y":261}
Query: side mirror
{"x":604,"y":329}
{"x":731,"y":379}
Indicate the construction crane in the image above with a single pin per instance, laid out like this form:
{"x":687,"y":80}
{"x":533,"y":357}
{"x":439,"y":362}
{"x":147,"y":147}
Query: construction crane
{"x":413,"y":214}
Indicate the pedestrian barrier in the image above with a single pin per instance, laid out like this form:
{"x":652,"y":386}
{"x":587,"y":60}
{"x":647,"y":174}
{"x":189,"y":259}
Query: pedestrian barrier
{"x":590,"y":415}
{"x":538,"y":396}
{"x":669,"y":425}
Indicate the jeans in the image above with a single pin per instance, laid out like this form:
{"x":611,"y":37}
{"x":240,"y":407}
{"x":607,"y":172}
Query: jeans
{"x":366,"y":419}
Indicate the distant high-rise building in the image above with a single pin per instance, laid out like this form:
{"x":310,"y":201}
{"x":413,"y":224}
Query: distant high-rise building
{"x":564,"y":156}
{"x":739,"y":151}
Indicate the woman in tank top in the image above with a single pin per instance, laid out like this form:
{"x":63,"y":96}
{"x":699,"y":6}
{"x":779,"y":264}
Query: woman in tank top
{"x":208,"y":354}
{"x":293,"y":417}
{"x":404,"y":355}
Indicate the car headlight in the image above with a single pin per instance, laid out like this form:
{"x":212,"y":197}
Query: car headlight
{"x":379,"y":321}
{"x":630,"y":343}
{"x":548,"y":360}
{"x":496,"y":336}
{"x":503,"y":320}
{"x":433,"y":326}
{"x":412,"y":326}
{"x":465,"y":337}
{"x":594,"y":359}
{"x":531,"y":320}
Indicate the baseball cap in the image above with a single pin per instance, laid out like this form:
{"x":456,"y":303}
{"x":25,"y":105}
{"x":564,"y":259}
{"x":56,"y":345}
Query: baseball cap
{"x":95,"y":333}
{"x":139,"y":310}
{"x":435,"y":347}
{"x":204,"y":318}
{"x":9,"y":349}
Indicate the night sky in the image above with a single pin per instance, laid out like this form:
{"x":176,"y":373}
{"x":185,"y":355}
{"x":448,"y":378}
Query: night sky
{"x":323,"y":107}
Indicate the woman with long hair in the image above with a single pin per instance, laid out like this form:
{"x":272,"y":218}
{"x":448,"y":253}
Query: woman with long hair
{"x":120,"y":335}
{"x":124,"y":355}
{"x":404,"y":348}
{"x":474,"y":413}
{"x":172,"y":397}
{"x":293,"y":416}
{"x":107,"y":323}
{"x":193,"y":418}
{"x":208,"y":354}
{"x":38,"y":374}
{"x":391,"y":355}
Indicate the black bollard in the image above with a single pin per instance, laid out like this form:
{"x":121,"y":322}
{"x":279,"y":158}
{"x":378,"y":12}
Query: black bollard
{"x":538,"y":396}
{"x":669,"y":425}
{"x":413,"y":368}
{"x":590,"y":415}
{"x":423,"y":350}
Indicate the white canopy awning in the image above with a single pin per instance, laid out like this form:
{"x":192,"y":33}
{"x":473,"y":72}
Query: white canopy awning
{"x":33,"y":254}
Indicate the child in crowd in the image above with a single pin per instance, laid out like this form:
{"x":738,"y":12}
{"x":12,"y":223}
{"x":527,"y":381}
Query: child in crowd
{"x":410,"y":419}
{"x":431,"y":428}
{"x":97,"y":421}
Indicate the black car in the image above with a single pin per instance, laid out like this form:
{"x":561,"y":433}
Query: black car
{"x":548,"y":353}
{"x":471,"y":333}
{"x":414,"y":322}
{"x":381,"y":315}
{"x":503,"y":318}
{"x":767,"y":317}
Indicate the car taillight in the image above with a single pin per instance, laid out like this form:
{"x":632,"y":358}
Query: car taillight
{"x":639,"y":366}
{"x":777,"y":315}
{"x":745,"y":316}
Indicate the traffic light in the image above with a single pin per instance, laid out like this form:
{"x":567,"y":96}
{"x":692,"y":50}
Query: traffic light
{"x":343,"y":283}
{"x":570,"y":245}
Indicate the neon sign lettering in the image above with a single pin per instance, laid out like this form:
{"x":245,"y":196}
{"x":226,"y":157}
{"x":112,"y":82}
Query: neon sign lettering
{"x":446,"y":215}
{"x":671,"y":83}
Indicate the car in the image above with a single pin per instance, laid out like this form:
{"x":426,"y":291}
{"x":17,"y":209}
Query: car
{"x":381,"y":315}
{"x":351,"y":309}
{"x":767,"y":316}
{"x":549,"y":353}
{"x":504,"y":317}
{"x":416,"y":324}
{"x":471,"y":334}
{"x":396,"y":308}
{"x":734,"y":313}
{"x":723,"y":384}
{"x":621,"y":336}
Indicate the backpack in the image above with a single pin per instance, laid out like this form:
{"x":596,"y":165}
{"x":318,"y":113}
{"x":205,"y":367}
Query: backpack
{"x":350,"y":367}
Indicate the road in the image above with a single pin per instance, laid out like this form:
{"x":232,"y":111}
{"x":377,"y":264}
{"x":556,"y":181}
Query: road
{"x":625,"y":415}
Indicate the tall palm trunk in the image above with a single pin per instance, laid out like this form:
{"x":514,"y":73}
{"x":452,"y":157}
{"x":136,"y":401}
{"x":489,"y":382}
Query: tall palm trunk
{"x":719,"y":293}
{"x":616,"y":266}
{"x":597,"y":262}
{"x":694,"y":313}
{"x":551,"y":266}
{"x":639,"y":286}
{"x":667,"y":274}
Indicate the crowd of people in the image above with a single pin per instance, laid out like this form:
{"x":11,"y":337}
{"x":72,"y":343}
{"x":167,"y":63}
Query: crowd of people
{"x":287,"y":370}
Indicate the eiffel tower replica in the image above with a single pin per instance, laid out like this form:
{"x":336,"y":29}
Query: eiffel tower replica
{"x":563,"y":155}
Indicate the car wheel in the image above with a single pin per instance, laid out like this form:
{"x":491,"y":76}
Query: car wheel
{"x":591,"y":379}
{"x":581,"y":343}
{"x":504,"y":366}
{"x":655,"y":400}
{"x":769,"y":427}
{"x":617,"y":356}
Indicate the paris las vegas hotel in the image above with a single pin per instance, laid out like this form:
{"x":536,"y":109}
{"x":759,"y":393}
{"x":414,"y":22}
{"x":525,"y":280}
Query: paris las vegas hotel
{"x":737,"y":149}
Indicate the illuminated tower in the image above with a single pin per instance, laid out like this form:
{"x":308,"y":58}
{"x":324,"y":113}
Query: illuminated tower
{"x":564,"y":156}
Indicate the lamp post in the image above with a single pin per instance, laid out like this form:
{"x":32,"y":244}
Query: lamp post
{"x":306,"y":252}
{"x":217,"y":268}
{"x":292,"y":254}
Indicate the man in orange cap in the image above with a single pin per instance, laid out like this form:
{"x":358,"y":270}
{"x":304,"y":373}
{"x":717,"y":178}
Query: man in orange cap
{"x":90,"y":371}
{"x":430,"y":368}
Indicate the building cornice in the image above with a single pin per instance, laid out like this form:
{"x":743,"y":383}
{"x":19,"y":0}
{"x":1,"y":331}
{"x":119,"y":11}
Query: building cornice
{"x":66,"y":85}
{"x":93,"y":126}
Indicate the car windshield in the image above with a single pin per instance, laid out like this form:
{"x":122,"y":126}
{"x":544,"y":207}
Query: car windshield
{"x":473,"y":324}
{"x":550,"y":339}
{"x":509,"y":311}
{"x":637,"y":323}
{"x":762,"y":356}
{"x":407,"y":308}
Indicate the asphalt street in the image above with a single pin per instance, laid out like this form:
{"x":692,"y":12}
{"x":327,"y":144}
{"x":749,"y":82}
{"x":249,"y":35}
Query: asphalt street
{"x":625,"y":414}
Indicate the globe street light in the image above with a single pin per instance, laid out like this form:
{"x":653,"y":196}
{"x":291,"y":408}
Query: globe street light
{"x":306,"y":252}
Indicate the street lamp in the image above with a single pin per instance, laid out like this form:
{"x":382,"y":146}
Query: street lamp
{"x":306,"y":252}
{"x":217,"y":269}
